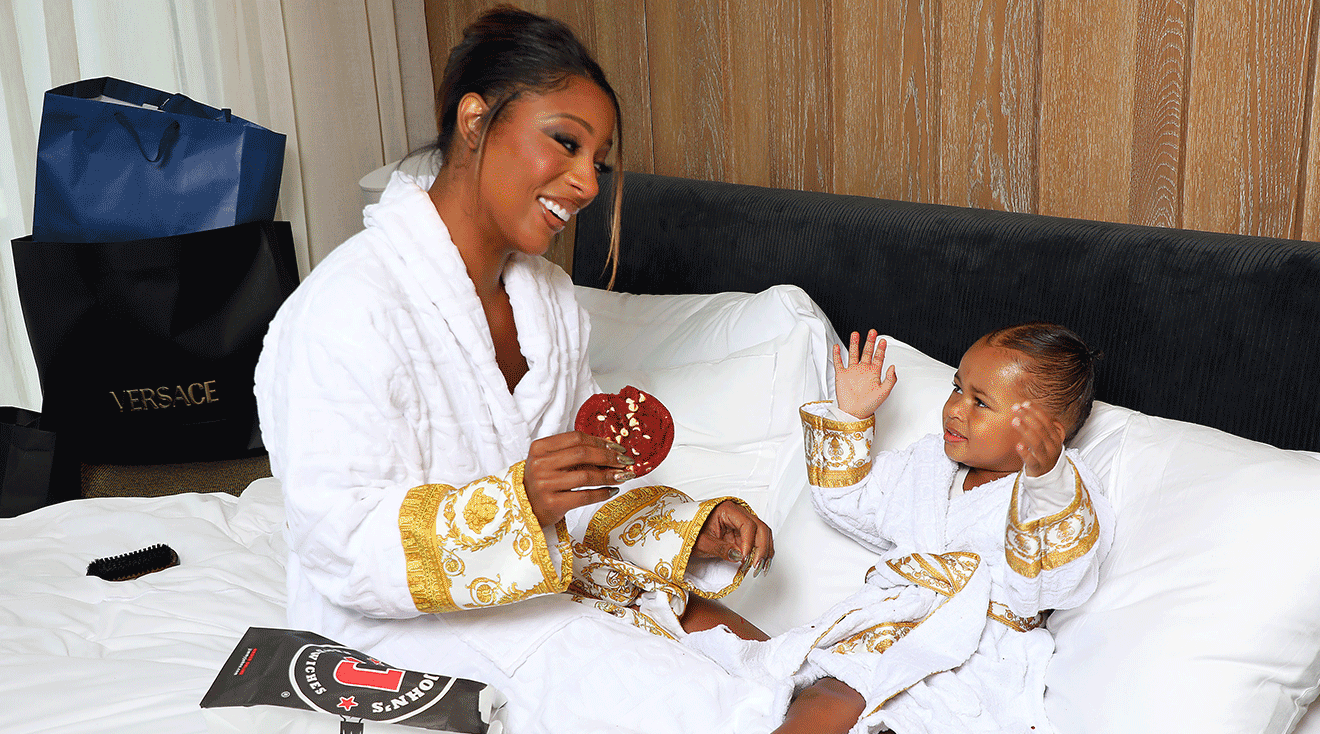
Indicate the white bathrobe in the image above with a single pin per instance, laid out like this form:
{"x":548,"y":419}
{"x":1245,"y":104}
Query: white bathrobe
{"x":946,"y":633}
{"x":400,"y":450}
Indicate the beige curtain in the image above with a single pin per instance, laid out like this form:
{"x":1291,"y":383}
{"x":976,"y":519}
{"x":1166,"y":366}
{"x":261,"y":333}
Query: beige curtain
{"x":347,"y":81}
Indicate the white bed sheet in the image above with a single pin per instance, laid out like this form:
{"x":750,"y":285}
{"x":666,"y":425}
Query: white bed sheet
{"x":79,"y":654}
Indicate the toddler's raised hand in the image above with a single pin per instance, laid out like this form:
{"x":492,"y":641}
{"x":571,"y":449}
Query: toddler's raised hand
{"x":1040,"y":438}
{"x":857,"y":384}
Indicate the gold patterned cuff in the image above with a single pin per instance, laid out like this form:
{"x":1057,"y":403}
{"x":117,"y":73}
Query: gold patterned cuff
{"x":1052,"y":541}
{"x":653,"y":529}
{"x":478,"y":546}
{"x":838,"y":452}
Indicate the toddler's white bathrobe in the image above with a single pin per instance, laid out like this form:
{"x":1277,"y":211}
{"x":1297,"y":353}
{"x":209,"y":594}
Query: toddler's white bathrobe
{"x":946,"y":634}
{"x":400,"y":450}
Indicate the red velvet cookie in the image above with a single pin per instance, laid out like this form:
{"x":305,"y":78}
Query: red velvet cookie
{"x":633,"y":419}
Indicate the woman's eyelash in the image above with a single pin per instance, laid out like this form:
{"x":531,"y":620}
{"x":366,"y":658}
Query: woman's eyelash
{"x":568,"y":142}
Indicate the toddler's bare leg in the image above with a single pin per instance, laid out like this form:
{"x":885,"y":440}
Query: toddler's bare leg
{"x":828,"y":705}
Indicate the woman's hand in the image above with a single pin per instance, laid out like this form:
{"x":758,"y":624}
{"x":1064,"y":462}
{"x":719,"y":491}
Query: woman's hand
{"x":1040,"y":438}
{"x":557,"y":466}
{"x":734,"y":533}
{"x":857,"y":384}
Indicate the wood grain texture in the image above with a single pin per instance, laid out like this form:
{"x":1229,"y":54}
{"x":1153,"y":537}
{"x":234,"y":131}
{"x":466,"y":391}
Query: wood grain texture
{"x":1245,"y":116}
{"x":886,"y":76}
{"x":1087,"y":61}
{"x":1158,"y":112}
{"x":1159,"y":105}
{"x":688,"y":97}
{"x":1308,"y":225}
{"x":989,"y":64}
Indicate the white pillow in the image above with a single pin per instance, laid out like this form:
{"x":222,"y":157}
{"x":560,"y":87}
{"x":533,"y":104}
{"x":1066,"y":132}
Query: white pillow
{"x":1207,"y":617}
{"x":630,"y":331}
{"x":816,"y":566}
{"x":733,"y":420}
{"x":732,"y":368}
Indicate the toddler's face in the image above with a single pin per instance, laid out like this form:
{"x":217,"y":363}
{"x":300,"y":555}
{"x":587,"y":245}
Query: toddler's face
{"x":978,"y":429}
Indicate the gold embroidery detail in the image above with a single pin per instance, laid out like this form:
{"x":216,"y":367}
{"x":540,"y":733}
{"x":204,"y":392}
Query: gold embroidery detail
{"x":1002,"y":614}
{"x":428,"y":569}
{"x":945,"y":573}
{"x":627,"y":614}
{"x":838,"y":453}
{"x":619,"y":510}
{"x":480,"y":510}
{"x":437,"y":562}
{"x":1051,"y":542}
{"x":875,"y":639}
{"x":638,"y":517}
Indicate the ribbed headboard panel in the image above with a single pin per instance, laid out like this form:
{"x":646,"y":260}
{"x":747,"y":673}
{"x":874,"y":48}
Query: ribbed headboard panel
{"x":1215,"y":329}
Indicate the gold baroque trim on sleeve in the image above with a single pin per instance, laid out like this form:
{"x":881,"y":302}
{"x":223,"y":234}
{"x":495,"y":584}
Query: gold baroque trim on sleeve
{"x":1052,"y":541}
{"x":557,"y":582}
{"x":838,"y":453}
{"x":492,"y":564}
{"x":614,"y":513}
{"x":428,"y":568}
{"x":690,"y":536}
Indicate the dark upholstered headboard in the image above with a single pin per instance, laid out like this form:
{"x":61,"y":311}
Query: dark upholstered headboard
{"x":1216,"y":329}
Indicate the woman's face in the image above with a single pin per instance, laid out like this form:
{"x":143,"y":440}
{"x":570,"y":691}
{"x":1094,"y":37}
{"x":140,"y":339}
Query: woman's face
{"x":541,"y":161}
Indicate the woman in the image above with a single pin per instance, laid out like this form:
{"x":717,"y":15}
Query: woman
{"x":415,"y":393}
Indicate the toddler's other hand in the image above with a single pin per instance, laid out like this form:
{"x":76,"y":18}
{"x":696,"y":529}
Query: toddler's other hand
{"x":857,"y":384}
{"x":1040,"y":438}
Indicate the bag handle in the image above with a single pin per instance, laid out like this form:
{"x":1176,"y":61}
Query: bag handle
{"x":167,"y":139}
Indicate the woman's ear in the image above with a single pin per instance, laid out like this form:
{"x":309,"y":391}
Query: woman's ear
{"x":472,"y":109}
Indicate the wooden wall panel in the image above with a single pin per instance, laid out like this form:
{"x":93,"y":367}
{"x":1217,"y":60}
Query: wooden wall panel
{"x":688,"y":101}
{"x":990,"y":68}
{"x":1245,"y":116}
{"x":1157,"y":112}
{"x":1159,"y":104}
{"x":1308,"y":225}
{"x":1087,"y":66}
{"x":885,"y":69}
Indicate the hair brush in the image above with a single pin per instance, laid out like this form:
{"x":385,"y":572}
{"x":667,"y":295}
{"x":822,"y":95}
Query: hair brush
{"x":132,"y":565}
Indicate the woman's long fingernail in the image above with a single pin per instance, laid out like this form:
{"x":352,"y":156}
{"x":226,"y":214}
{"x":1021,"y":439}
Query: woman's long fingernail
{"x":626,"y":460}
{"x":623,"y":476}
{"x":735,"y":556}
{"x":614,"y":491}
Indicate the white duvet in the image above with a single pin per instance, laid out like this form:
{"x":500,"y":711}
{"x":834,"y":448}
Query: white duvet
{"x":79,"y":654}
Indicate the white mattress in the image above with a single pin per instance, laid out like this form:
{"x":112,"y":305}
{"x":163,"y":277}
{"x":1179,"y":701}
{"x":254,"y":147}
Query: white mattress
{"x":79,"y":654}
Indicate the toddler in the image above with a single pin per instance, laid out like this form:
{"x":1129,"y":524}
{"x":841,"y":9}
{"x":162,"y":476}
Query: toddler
{"x":979,"y":530}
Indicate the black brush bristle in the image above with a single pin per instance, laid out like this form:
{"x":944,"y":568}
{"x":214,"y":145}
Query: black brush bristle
{"x":132,"y":565}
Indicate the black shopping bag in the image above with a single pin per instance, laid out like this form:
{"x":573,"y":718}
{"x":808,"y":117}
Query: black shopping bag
{"x":119,"y":161}
{"x":26,"y":458}
{"x":146,"y":349}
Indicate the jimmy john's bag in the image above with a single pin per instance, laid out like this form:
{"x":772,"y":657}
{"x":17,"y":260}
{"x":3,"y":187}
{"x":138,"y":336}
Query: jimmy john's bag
{"x":302,"y":683}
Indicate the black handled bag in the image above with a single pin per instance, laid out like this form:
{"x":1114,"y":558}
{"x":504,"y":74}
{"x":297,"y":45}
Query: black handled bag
{"x":27,"y":454}
{"x":146,"y":349}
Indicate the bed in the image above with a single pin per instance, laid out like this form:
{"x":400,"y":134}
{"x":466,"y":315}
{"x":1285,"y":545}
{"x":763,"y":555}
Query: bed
{"x":728,"y":299}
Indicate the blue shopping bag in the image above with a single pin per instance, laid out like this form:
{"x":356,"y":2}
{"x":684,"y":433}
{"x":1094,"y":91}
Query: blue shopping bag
{"x":119,"y":161}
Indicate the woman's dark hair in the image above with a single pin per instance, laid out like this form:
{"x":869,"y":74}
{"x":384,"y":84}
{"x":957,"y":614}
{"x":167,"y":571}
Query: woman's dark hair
{"x":506,"y":52}
{"x":1061,"y":363}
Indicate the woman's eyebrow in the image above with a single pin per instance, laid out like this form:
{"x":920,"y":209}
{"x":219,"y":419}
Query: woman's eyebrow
{"x":575,"y":118}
